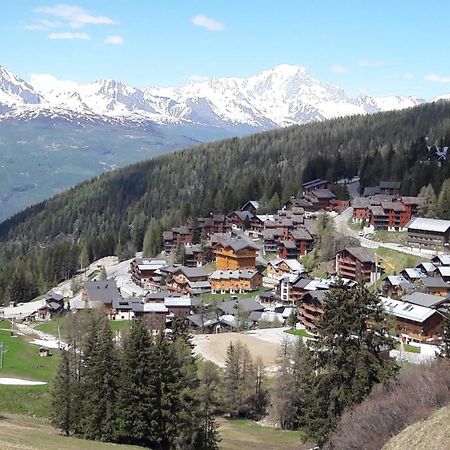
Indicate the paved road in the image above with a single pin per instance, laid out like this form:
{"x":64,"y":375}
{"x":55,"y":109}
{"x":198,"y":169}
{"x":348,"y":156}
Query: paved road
{"x":341,"y":221}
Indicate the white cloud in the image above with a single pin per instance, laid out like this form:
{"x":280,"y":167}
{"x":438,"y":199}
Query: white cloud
{"x":337,"y":68}
{"x":68,"y":36}
{"x":45,"y":83}
{"x":114,"y":40}
{"x":42,"y":25}
{"x":370,"y":63}
{"x":408,"y":76}
{"x":75,"y":16}
{"x":439,"y":79}
{"x":208,"y":23}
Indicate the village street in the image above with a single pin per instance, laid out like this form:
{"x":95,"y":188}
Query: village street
{"x":341,"y":222}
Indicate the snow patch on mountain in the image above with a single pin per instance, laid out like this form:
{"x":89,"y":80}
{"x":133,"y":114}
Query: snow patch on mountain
{"x":282,"y":96}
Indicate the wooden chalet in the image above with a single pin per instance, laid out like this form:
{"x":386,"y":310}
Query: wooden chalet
{"x":288,"y":250}
{"x":235,"y":281}
{"x":235,"y":254}
{"x":358,"y":264}
{"x":302,"y":239}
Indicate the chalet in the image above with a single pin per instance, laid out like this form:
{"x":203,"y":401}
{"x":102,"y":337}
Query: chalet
{"x":154,"y":315}
{"x":396,"y":286}
{"x":180,"y":306}
{"x":288,"y":250}
{"x":235,"y":254}
{"x":441,"y":260}
{"x":240,"y":219}
{"x":358,"y":264}
{"x":251,"y":206}
{"x":297,"y":203}
{"x":429,"y":233}
{"x":427,"y":268}
{"x":193,"y":256}
{"x":216,"y":223}
{"x":426,"y":300}
{"x":412,"y":274}
{"x":390,"y":187}
{"x":318,"y":183}
{"x":444,"y":272}
{"x":187,"y":280}
{"x":182,"y":235}
{"x":311,"y":309}
{"x":168,"y":242}
{"x":303,"y":240}
{"x":418,"y":322}
{"x":235,"y":281}
{"x":123,"y":309}
{"x":436,"y":286}
{"x":320,"y":199}
{"x":207,"y":323}
{"x":271,"y":239}
{"x":100,"y":295}
{"x":145,"y":272}
{"x":360,"y":207}
{"x":53,"y":306}
{"x":240,"y":305}
{"x":279,"y":267}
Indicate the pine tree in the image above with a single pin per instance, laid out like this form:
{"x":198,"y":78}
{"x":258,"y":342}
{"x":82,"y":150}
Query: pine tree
{"x":136,"y":394}
{"x":444,"y":201}
{"x":100,"y":379}
{"x":209,"y":437}
{"x":346,"y":356}
{"x":428,"y":208}
{"x":152,"y":239}
{"x":63,"y":405}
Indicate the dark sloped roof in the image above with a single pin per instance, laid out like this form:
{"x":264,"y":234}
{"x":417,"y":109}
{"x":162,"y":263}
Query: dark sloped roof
{"x":243,"y":304}
{"x":238,"y":244}
{"x":102,"y":291}
{"x":422,"y":299}
{"x":361,"y":254}
{"x":390,"y":184}
{"x":289,"y":244}
{"x":302,"y":234}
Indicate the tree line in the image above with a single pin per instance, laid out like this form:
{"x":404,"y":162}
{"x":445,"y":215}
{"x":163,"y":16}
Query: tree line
{"x":146,"y":392}
{"x":111,"y":214}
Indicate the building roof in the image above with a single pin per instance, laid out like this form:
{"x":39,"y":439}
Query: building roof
{"x":242,"y":304}
{"x":422,"y":299}
{"x":290,"y":245}
{"x":432,"y":225}
{"x":413,"y":273}
{"x":444,"y":271}
{"x":22,"y":310}
{"x":371,"y":190}
{"x":435,"y":282}
{"x":302,"y":234}
{"x":150,"y":263}
{"x":361,"y":254}
{"x":252,"y":203}
{"x":360,"y":202}
{"x":426,"y":266}
{"x":322,"y":193}
{"x":396,"y":280}
{"x":405,"y":310}
{"x":184,"y":301}
{"x":102,"y":291}
{"x":243,"y":274}
{"x":199,"y":321}
{"x":443,"y":260}
{"x":238,"y":244}
{"x":293,"y":264}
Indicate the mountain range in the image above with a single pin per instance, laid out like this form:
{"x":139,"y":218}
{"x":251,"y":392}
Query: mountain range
{"x":55,"y":134}
{"x":282,"y":96}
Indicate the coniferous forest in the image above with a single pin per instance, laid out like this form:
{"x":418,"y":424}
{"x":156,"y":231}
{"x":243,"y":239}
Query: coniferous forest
{"x":110,"y":214}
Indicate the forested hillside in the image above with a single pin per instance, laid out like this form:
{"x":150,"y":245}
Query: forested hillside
{"x":111,"y":213}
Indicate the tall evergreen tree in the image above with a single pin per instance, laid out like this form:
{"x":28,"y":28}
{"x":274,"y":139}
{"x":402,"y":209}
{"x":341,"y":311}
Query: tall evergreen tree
{"x":346,"y":356}
{"x":428,"y":208}
{"x":444,"y":201}
{"x":100,"y":383}
{"x":136,"y":394}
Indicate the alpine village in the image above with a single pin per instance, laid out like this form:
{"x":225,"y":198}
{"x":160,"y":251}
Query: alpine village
{"x":239,"y":263}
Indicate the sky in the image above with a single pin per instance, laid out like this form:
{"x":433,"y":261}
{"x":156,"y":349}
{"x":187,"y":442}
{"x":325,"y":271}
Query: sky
{"x":367,"y":47}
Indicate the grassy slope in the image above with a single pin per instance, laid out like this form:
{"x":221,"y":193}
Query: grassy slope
{"x":18,"y":432}
{"x":430,"y":434}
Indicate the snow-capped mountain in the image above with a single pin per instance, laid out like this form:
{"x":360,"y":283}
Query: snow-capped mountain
{"x":281,"y":96}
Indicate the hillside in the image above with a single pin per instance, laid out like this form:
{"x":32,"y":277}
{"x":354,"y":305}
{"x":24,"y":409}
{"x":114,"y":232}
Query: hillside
{"x":111,"y":213}
{"x":430,"y":434}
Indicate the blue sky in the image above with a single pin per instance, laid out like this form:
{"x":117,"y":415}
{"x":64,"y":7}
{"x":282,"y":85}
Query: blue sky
{"x":374,"y":47}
